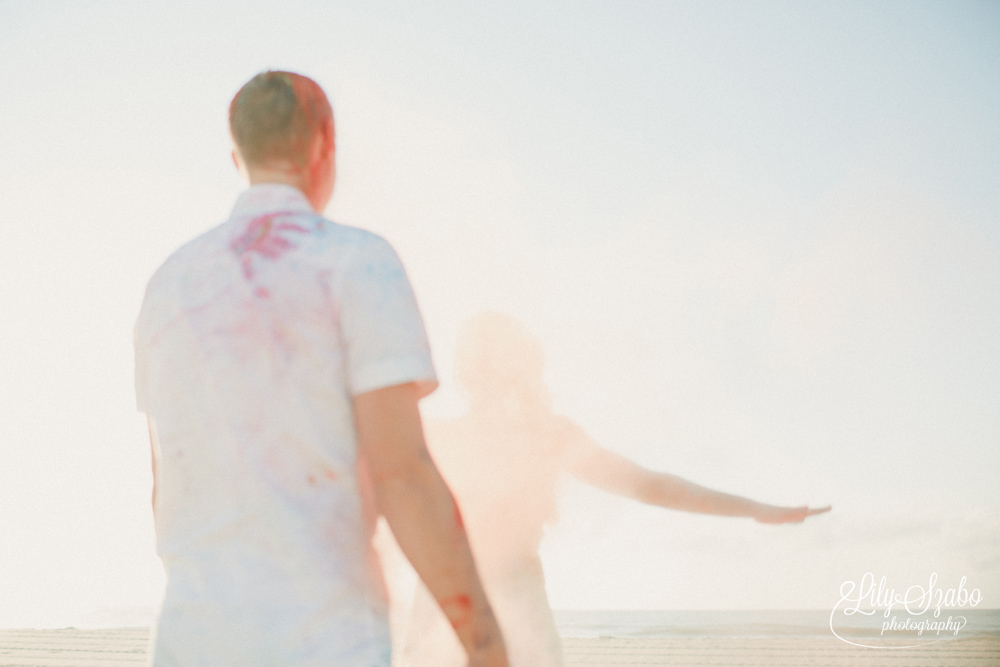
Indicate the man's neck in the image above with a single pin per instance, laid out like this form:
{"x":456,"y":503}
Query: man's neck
{"x":284,"y":176}
{"x":261,"y":175}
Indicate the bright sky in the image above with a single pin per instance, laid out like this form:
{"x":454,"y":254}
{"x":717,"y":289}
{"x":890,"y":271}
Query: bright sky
{"x":760,"y":243}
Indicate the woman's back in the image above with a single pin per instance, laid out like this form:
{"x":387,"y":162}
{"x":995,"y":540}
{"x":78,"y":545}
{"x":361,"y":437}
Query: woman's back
{"x":503,"y":473}
{"x":502,"y":461}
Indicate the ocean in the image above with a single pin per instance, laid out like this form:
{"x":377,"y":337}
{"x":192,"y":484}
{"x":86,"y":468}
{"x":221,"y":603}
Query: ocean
{"x":762,"y":623}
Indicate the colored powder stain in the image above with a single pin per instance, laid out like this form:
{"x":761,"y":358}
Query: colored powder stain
{"x":458,"y":609}
{"x":311,"y":480}
{"x":329,"y":474}
{"x":263,"y":237}
{"x":262,"y":292}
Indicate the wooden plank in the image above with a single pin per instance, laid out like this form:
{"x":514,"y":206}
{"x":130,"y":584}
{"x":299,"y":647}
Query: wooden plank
{"x":128,"y":646}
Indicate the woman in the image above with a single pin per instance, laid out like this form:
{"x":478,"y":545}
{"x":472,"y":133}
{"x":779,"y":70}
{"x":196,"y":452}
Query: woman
{"x":502,"y":460}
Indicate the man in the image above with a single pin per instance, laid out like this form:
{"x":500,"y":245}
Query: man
{"x":279,"y":359}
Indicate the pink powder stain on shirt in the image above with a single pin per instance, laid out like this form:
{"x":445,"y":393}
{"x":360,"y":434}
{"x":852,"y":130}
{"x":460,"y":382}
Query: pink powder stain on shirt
{"x":263,"y":237}
{"x":327,"y":474}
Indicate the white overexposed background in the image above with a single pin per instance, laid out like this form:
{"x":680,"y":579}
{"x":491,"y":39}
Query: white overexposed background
{"x":760,"y":243}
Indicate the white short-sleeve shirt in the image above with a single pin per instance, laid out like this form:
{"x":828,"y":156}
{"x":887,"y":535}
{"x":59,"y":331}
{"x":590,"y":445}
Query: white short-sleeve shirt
{"x":251,"y":341}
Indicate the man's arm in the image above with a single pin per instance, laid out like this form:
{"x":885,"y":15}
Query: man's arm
{"x":423,"y":516}
{"x":614,"y":473}
{"x":152,"y":451}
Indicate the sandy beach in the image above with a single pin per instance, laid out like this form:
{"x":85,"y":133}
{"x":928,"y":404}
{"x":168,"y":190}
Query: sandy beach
{"x":127,"y":646}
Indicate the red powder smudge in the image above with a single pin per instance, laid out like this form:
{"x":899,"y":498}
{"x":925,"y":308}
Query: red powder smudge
{"x":329,"y":474}
{"x":458,"y":609}
{"x":263,"y":292}
{"x":263,"y":237}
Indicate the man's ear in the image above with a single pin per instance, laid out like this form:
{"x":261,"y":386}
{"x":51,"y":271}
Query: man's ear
{"x":236,"y":162}
{"x":328,"y":135}
{"x":322,"y":145}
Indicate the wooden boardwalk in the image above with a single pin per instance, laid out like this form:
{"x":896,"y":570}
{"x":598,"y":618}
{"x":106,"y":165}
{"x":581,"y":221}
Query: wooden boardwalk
{"x":127,"y":647}
{"x":759,"y":652}
{"x":74,"y":648}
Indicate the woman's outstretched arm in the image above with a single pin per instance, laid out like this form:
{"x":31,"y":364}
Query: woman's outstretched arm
{"x":612,"y":472}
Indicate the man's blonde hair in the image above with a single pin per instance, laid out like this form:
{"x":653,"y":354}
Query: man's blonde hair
{"x":276,"y":115}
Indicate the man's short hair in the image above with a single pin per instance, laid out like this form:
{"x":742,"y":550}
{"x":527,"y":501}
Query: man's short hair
{"x":275,"y":116}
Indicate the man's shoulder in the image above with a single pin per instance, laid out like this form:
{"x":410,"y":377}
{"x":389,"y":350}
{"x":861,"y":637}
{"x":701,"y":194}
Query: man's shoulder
{"x":354,"y":237}
{"x":214,"y":246}
{"x":361,"y":253}
{"x":159,"y":298}
{"x":189,"y":252}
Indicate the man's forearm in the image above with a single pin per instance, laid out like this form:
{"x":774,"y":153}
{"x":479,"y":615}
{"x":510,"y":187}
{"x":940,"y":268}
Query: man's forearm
{"x":424,"y":517}
{"x":428,"y":527}
{"x":152,"y":452}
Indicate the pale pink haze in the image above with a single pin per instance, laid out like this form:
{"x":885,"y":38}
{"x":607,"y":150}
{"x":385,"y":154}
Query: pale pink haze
{"x":502,"y":460}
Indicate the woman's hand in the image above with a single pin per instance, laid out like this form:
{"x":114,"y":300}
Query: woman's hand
{"x":774,"y":514}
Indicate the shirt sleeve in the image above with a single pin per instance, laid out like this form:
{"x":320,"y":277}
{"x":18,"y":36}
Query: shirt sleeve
{"x":383,"y":333}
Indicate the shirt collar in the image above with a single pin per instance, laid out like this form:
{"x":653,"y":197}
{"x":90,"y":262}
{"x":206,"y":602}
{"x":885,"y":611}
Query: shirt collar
{"x":270,"y":197}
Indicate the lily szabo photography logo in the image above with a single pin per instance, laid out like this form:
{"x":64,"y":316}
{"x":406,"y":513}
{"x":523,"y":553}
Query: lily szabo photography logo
{"x":876,"y":616}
